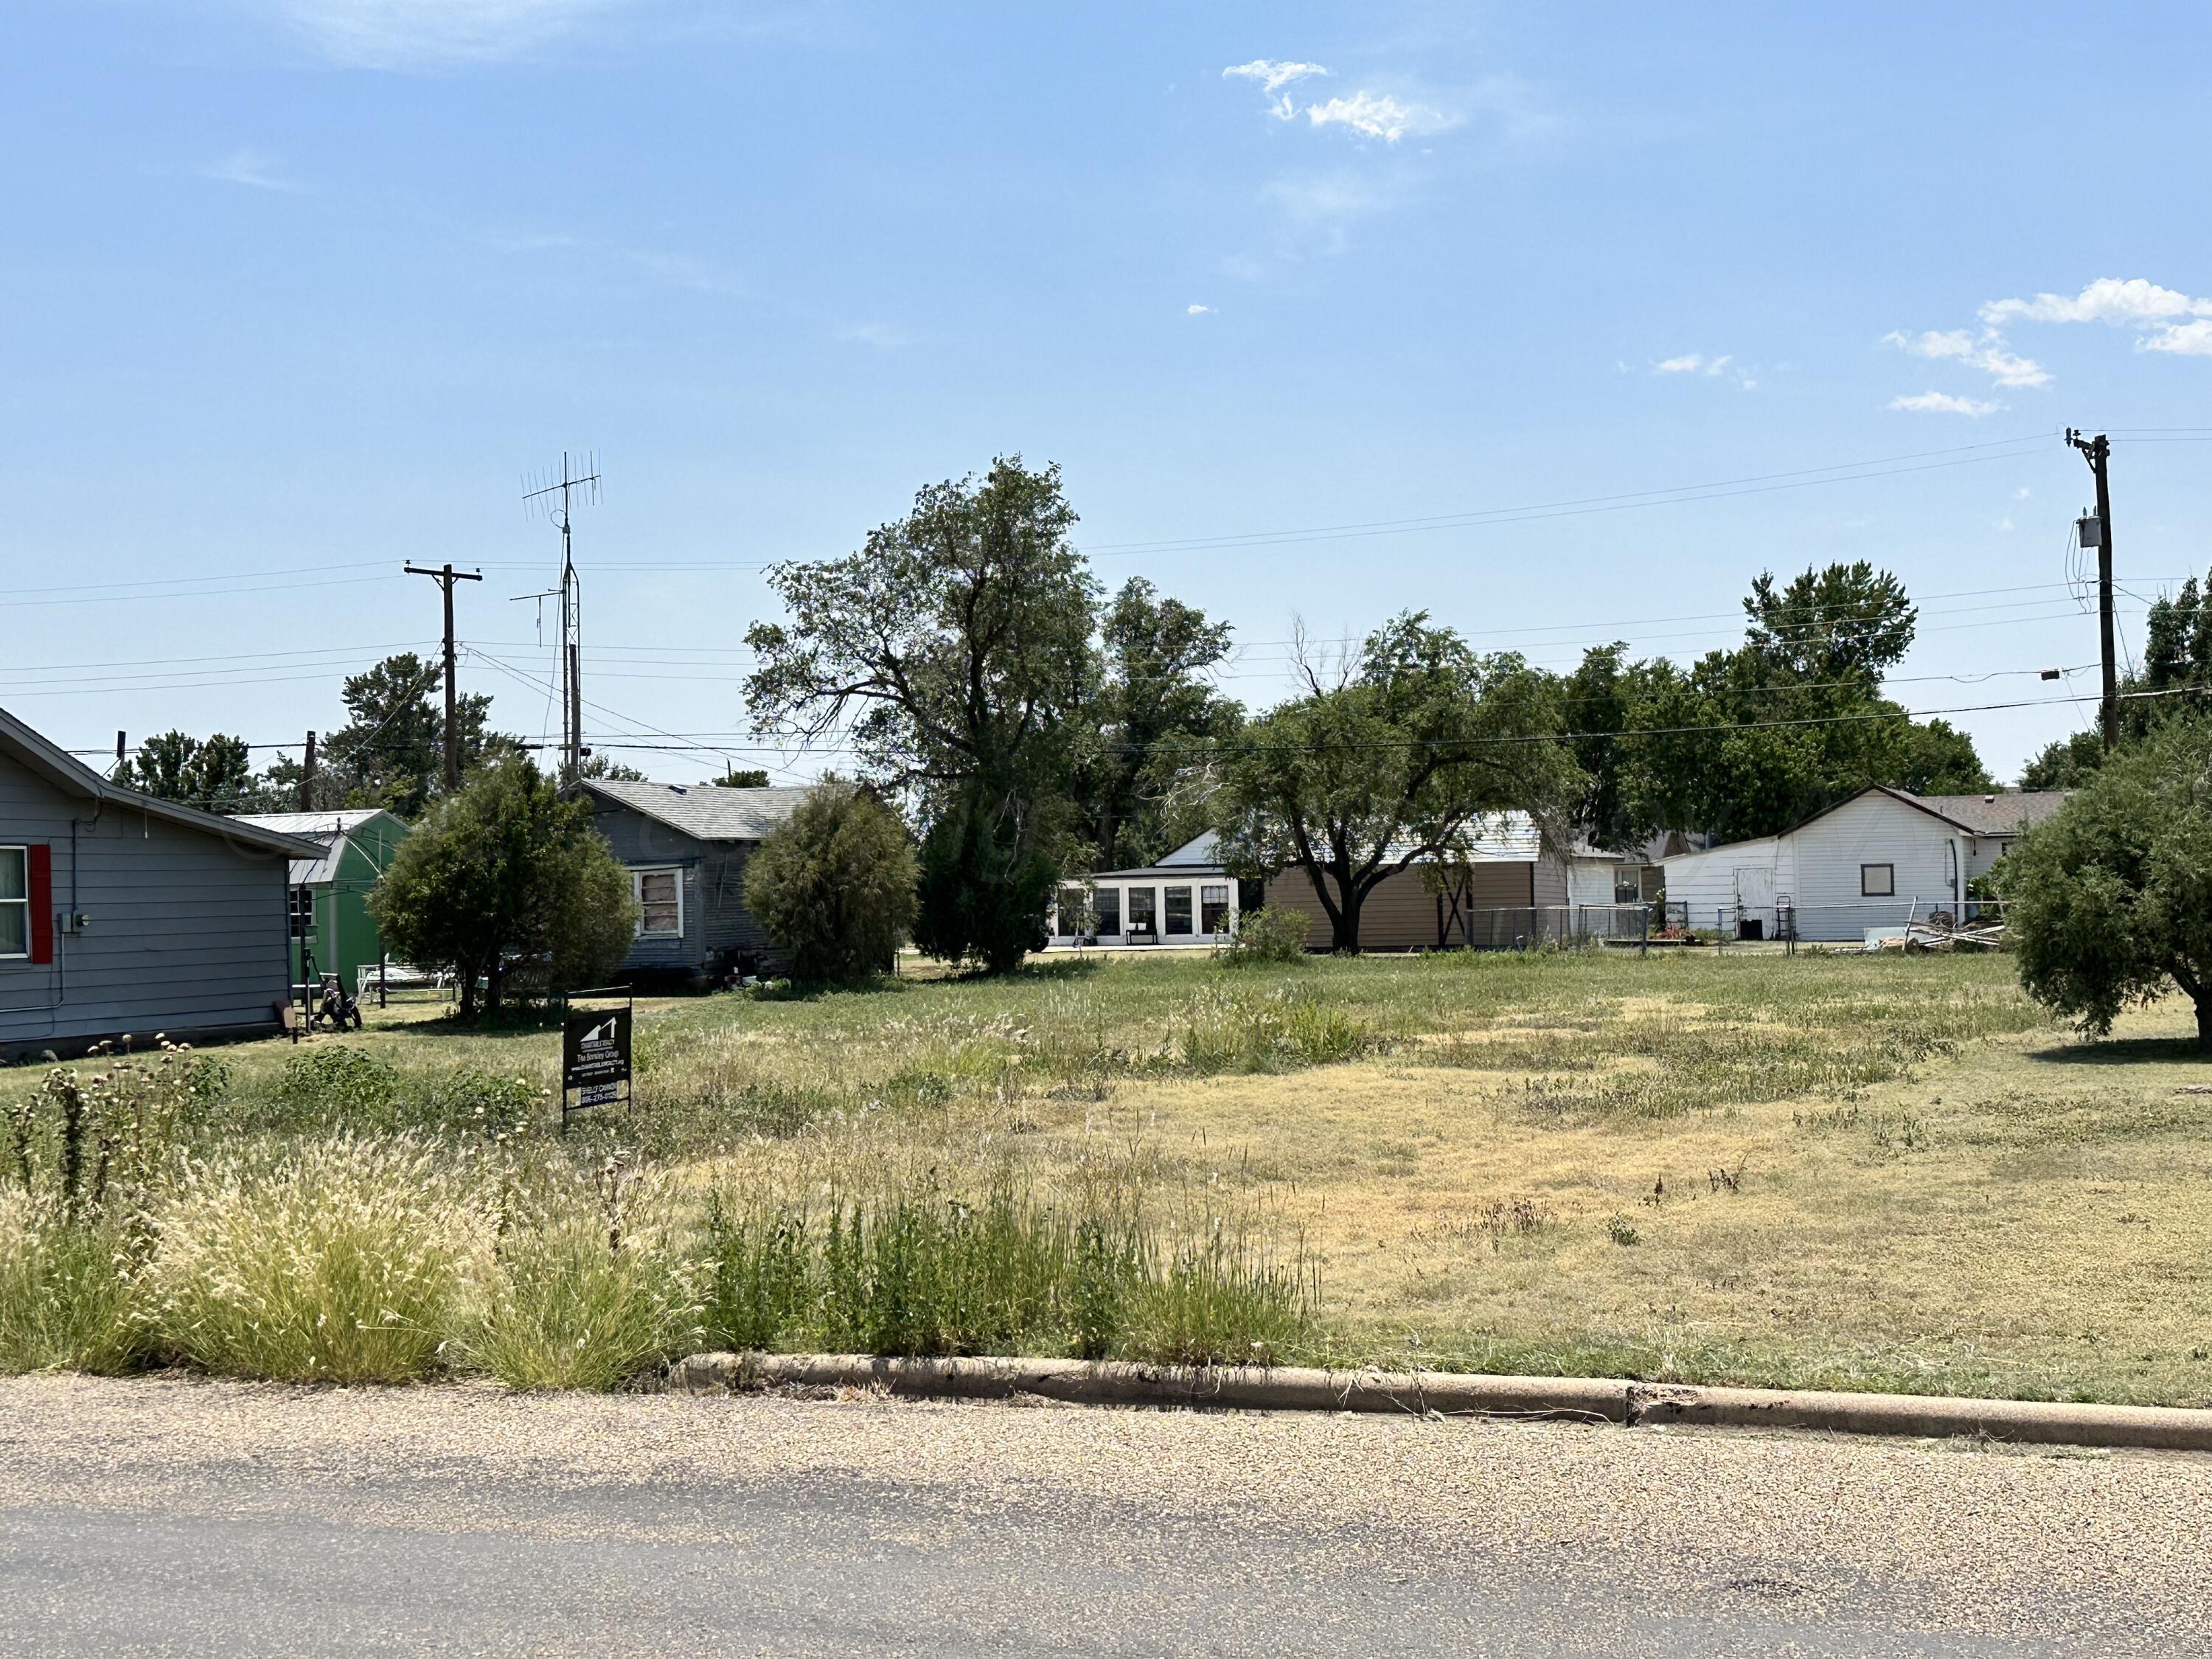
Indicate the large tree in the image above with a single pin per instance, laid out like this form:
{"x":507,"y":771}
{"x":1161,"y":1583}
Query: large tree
{"x":215,"y":774}
{"x":1396,"y":756}
{"x":506,"y":877}
{"x":1155,"y":707}
{"x":2110,"y":902}
{"x":956,"y":643}
{"x":392,"y":753}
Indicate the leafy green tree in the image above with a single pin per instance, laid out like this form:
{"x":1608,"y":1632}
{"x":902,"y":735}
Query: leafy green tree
{"x":1395,"y":759}
{"x":834,"y":885}
{"x":392,"y":752}
{"x":743,"y":777}
{"x":1155,"y":712}
{"x":505,"y":876}
{"x":2111,"y":901}
{"x":1847,"y":622}
{"x":2065,"y":763}
{"x":957,"y":644}
{"x":606,"y":766}
{"x":215,"y":775}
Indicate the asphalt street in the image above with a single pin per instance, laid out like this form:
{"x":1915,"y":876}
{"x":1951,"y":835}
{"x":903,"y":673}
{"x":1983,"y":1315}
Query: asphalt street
{"x":161,"y":1516}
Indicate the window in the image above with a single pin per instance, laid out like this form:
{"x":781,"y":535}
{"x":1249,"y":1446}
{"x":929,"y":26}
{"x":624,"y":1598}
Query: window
{"x":659,"y":902}
{"x":14,"y":902}
{"x":1179,"y":910}
{"x":1106,"y":905}
{"x":1877,"y":881}
{"x":1627,"y":884}
{"x":1140,"y":911}
{"x":1214,"y":907}
{"x":302,"y":910}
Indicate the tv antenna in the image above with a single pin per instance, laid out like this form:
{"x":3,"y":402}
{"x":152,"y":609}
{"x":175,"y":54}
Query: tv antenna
{"x":557,"y":498}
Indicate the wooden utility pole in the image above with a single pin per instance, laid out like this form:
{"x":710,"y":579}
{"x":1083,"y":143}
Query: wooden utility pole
{"x":2097,"y":451}
{"x":446,"y":576}
{"x":307,"y":777}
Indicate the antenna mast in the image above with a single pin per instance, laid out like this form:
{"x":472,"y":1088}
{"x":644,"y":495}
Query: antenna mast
{"x":557,"y":498}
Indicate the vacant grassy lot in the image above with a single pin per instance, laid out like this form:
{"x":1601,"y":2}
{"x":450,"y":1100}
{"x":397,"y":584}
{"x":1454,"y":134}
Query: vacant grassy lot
{"x":1881,"y":1172}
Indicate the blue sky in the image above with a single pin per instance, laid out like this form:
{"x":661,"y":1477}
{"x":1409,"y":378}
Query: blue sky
{"x":295,"y":291}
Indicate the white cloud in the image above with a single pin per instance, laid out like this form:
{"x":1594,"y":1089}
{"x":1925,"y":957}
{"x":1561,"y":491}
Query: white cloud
{"x":1198,"y":310}
{"x":2107,"y":300}
{"x":1377,"y":115}
{"x":2004,"y":523}
{"x":1943,"y":403}
{"x":1271,"y":75}
{"x":1693,"y":363}
{"x":404,"y":34}
{"x":2187,"y":339}
{"x":1986,"y":352}
{"x":246,"y":167}
{"x":2022,"y":492}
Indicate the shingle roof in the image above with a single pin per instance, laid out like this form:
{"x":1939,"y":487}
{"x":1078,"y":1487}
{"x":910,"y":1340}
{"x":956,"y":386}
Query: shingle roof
{"x":2004,"y":812}
{"x":704,"y":810}
{"x":315,"y":826}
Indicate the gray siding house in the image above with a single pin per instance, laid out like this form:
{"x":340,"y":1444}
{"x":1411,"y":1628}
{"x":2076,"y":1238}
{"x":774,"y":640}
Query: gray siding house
{"x":121,"y":913}
{"x":686,"y":847}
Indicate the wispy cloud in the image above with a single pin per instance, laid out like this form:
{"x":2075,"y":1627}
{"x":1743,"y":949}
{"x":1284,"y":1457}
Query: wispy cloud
{"x":1198,"y":310}
{"x":2161,"y":318}
{"x":1986,"y":351}
{"x":410,"y":33}
{"x":1943,"y":403}
{"x":1367,"y":114}
{"x":1271,"y":75}
{"x":1710,"y":367}
{"x":252,"y":169}
{"x":882,"y":336}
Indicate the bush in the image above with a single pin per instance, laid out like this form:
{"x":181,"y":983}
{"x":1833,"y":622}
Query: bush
{"x":834,"y":885}
{"x":586,"y":1296}
{"x":1225,"y":1030}
{"x":347,"y":1086}
{"x":65,"y":1292}
{"x":1276,"y":934}
{"x":349,"y":1261}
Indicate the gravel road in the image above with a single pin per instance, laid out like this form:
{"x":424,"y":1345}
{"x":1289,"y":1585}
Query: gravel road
{"x":179,"y":1517}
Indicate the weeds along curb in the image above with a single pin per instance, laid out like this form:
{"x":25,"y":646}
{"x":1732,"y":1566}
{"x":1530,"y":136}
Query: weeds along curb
{"x":1588,"y":1399}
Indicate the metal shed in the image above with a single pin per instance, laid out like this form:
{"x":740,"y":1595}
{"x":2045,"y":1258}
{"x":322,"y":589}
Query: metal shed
{"x":686,"y":847}
{"x":330,"y":890}
{"x":120,"y":914}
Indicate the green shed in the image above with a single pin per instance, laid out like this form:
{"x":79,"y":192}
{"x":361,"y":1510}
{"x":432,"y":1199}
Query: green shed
{"x":330,"y":894}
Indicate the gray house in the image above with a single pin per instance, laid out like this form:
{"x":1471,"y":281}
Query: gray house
{"x":686,"y":847}
{"x":121,"y":913}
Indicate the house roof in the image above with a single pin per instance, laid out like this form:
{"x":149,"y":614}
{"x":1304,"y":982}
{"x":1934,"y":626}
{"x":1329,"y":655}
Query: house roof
{"x":2004,"y":812}
{"x":68,"y":774}
{"x":705,"y":811}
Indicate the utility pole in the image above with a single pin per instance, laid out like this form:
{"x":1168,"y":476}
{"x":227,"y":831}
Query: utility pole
{"x":557,"y":497}
{"x":307,"y":777}
{"x":446,"y":576}
{"x":2097,"y":451}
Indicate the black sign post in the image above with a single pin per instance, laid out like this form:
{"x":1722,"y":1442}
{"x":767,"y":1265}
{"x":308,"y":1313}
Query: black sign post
{"x":594,"y":1050}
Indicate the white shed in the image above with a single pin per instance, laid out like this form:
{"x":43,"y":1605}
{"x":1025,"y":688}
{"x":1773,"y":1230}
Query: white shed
{"x":1874,"y":861}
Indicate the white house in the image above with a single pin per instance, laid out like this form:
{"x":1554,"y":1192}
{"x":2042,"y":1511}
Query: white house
{"x":1597,"y":877}
{"x":1874,"y":861}
{"x":1185,"y":898}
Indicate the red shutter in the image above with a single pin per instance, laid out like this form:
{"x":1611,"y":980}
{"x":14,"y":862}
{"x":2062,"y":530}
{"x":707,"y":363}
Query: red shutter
{"x":42,"y":904}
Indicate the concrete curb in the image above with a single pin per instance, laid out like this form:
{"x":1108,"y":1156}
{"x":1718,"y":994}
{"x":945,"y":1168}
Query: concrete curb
{"x":1436,"y":1394}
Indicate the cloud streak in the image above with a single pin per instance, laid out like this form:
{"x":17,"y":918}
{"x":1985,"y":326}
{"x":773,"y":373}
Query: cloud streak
{"x":1365,"y":114}
{"x":250,"y":169}
{"x":1986,"y":352}
{"x":1943,"y":403}
{"x":1271,"y":75}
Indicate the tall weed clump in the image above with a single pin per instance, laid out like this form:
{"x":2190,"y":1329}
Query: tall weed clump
{"x":1228,"y":1030}
{"x":83,"y":1162}
{"x":349,"y":1261}
{"x":589,"y":1289}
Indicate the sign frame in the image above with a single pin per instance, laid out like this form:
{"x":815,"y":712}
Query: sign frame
{"x":596,"y":1050}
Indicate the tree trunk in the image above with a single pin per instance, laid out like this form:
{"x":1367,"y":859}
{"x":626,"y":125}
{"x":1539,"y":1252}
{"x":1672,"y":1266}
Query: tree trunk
{"x":1346,"y":931}
{"x":2204,"y":1021}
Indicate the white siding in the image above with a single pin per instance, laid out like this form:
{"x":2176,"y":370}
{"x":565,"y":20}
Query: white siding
{"x":1589,"y":881}
{"x":1875,"y":829}
{"x":1707,"y":882}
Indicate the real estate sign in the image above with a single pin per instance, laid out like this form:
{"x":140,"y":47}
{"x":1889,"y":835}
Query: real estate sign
{"x":595,"y":1050}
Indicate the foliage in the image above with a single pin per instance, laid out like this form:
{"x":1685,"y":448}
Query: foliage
{"x":1276,"y":934}
{"x":1745,"y":743}
{"x":602,"y":766}
{"x":344,"y":1260}
{"x":589,"y":1291}
{"x":66,"y":1296}
{"x":1223,"y":1030}
{"x":351,"y":1086}
{"x":2176,"y":680}
{"x":834,"y":884}
{"x":1154,"y":713}
{"x":215,"y":775}
{"x":506,"y":875}
{"x":1399,"y":758}
{"x":742,"y":777}
{"x":2112,"y":899}
{"x":961,"y":634}
{"x":984,"y":884}
{"x":392,"y":752}
{"x":2065,"y":763}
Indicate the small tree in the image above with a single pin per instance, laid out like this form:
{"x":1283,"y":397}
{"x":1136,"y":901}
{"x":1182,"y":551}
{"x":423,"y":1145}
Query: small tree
{"x":834,"y":885}
{"x":506,"y":874}
{"x":2112,"y":899}
{"x":985,"y":885}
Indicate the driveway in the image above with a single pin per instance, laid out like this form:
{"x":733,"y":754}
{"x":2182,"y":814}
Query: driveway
{"x":155,"y":1517}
